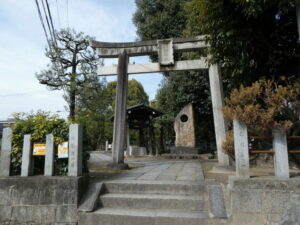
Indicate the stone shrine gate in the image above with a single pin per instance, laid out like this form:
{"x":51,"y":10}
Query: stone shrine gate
{"x":165,"y":50}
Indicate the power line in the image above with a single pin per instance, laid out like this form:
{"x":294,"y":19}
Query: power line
{"x":68,"y":13}
{"x":42,"y":22}
{"x":58,"y":16}
{"x":51,"y":22}
{"x":57,"y":65}
{"x":24,"y":93}
{"x":46,"y":16}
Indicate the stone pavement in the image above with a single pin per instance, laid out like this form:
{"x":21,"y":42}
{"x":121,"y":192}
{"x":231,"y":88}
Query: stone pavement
{"x":165,"y":170}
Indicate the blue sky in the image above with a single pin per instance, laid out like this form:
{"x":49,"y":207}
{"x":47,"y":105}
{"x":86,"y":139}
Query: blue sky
{"x":22,"y":44}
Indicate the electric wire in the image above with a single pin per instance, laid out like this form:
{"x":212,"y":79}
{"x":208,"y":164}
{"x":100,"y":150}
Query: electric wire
{"x":59,"y":70}
{"x":68,"y":13}
{"x":42,"y":22}
{"x":48,"y":23}
{"x":58,"y":16}
{"x":51,"y":22}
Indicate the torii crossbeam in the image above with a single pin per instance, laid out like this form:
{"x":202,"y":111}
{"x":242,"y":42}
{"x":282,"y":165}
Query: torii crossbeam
{"x":165,"y":50}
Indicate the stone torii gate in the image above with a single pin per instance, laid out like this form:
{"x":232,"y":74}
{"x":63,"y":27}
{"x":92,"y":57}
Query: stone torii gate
{"x":165,"y":50}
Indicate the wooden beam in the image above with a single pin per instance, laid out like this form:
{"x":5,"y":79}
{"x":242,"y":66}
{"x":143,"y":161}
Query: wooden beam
{"x":155,"y":67}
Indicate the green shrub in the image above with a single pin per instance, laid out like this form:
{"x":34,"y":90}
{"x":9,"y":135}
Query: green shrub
{"x":263,"y":106}
{"x":38,"y":125}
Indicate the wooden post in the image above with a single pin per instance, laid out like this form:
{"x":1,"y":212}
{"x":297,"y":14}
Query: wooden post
{"x":281,"y":159}
{"x":217,"y":98}
{"x":119,"y":137}
{"x":142,"y":137}
{"x":241,"y":149}
{"x":5,"y":152}
{"x":152,"y":139}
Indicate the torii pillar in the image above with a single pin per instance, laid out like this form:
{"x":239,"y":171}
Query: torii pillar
{"x":120,"y":125}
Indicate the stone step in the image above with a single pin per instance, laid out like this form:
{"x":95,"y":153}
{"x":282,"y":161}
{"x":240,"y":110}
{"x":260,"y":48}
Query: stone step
{"x":155,"y":201}
{"x":121,"y":216}
{"x":155,"y":187}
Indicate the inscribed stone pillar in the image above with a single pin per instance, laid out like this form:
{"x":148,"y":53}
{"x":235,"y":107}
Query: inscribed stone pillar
{"x":184,"y":127}
{"x":281,"y":160}
{"x":5,"y":152}
{"x":119,"y":133}
{"x":49,"y":158}
{"x":241,"y":149}
{"x":27,"y":158}
{"x":217,"y":98}
{"x":75,"y":150}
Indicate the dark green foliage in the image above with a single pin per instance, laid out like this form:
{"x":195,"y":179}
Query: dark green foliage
{"x":157,"y":19}
{"x":180,"y":89}
{"x":250,"y":39}
{"x":96,"y":102}
{"x":92,"y":112}
{"x":164,"y":19}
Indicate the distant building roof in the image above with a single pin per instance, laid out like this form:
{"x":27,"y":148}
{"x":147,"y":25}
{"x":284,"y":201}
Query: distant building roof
{"x":139,"y":115}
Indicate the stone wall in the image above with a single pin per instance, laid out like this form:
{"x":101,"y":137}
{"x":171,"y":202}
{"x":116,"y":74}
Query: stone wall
{"x":40,"y":200}
{"x":265,"y":201}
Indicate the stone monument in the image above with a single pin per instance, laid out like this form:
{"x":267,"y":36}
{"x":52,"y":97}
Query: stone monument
{"x":184,"y":126}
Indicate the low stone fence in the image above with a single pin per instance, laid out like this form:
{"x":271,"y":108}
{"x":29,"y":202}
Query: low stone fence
{"x":241,"y":149}
{"x":75,"y":153}
{"x":265,"y":201}
{"x":40,"y":199}
{"x":44,"y":199}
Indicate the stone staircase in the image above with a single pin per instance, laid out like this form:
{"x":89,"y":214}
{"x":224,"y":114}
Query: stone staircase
{"x":142,"y":202}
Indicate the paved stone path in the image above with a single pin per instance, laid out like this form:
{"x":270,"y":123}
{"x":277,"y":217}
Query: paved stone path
{"x":166,"y":170}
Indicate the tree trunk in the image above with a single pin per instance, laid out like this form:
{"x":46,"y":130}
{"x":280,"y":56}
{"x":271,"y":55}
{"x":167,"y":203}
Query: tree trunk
{"x":72,"y":93}
{"x":72,"y":105}
{"x":141,"y":137}
{"x":152,"y":139}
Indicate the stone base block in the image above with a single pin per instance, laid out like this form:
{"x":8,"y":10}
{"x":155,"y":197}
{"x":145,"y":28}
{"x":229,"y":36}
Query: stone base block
{"x":137,"y":151}
{"x":184,"y":150}
{"x":118,"y":166}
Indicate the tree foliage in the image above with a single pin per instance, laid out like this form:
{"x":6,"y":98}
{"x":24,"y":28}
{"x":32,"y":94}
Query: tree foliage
{"x":265,"y":104}
{"x":38,"y":125}
{"x":136,"y":93}
{"x":96,"y":104}
{"x":73,"y":64}
{"x":157,"y":19}
{"x":164,"y":19}
{"x":249,"y":39}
